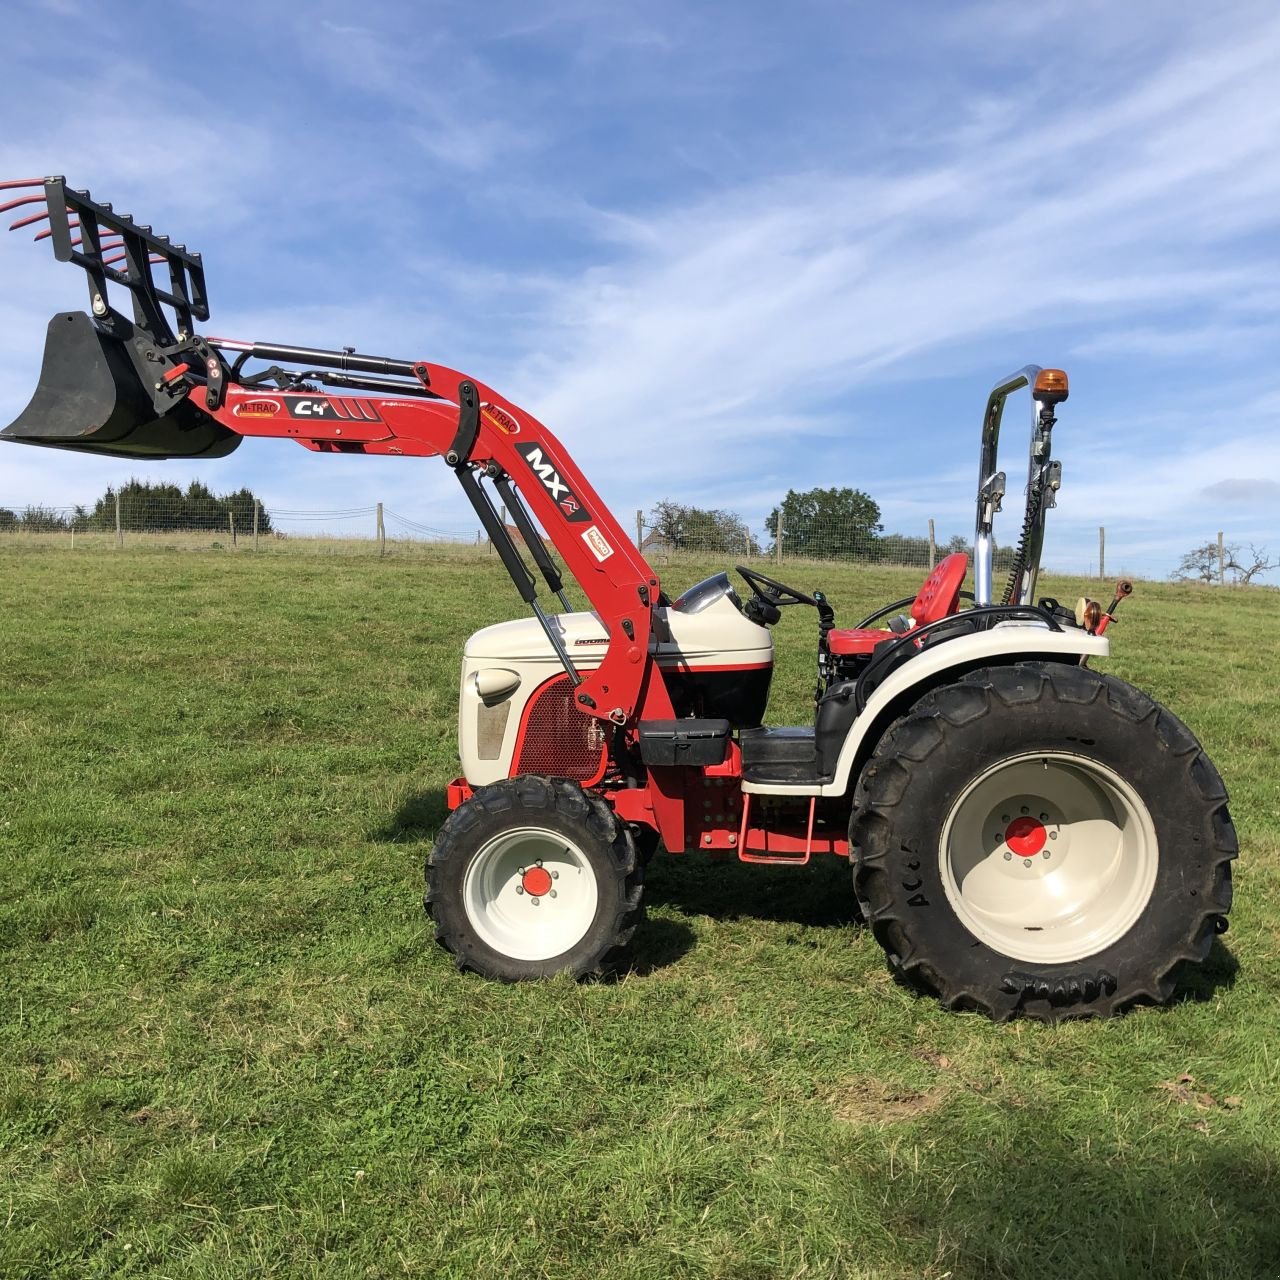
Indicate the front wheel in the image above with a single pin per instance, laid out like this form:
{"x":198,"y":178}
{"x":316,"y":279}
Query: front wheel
{"x":1042,"y":839}
{"x":532,"y":877}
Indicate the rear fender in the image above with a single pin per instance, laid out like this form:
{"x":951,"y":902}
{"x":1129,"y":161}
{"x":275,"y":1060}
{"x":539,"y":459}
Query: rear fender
{"x":1002,"y":645}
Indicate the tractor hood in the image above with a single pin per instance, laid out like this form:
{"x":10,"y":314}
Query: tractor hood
{"x":716,"y":637}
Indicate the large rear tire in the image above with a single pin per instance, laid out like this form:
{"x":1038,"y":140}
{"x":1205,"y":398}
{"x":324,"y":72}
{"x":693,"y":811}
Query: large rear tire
{"x":532,"y":877}
{"x":1042,"y":840}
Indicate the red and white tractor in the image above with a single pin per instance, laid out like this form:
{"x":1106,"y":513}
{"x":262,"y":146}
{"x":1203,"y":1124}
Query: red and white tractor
{"x":1025,"y":834}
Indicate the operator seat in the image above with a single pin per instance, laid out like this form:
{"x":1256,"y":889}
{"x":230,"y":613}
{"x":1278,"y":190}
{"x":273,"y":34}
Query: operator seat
{"x":938,"y":598}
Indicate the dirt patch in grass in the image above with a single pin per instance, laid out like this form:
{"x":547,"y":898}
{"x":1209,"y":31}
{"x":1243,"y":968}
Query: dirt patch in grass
{"x":866,"y":1101}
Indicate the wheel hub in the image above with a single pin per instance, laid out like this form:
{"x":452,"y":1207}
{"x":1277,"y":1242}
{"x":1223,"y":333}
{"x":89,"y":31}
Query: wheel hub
{"x":1026,"y":836}
{"x":536,"y":881}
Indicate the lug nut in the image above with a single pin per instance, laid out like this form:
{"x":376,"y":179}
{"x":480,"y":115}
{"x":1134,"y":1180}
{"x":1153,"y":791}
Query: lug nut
{"x":1004,"y":817}
{"x":535,"y":901}
{"x":1044,"y":817}
{"x":555,"y":875}
{"x":553,"y":892}
{"x":1026,"y":862}
{"x":1008,"y":857}
{"x":519,"y":888}
{"x":1053,"y":835}
{"x":1046,"y":853}
{"x":1025,"y":809}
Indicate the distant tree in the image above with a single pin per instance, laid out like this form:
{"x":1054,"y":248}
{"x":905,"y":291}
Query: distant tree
{"x":8,"y":520}
{"x":1200,"y":564}
{"x":827,"y":524}
{"x":42,"y":520}
{"x":686,"y":528}
{"x":166,"y":508}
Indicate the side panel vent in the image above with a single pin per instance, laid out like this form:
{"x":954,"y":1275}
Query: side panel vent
{"x":557,"y":739}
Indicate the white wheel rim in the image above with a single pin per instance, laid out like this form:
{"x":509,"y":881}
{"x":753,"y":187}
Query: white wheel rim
{"x":530,"y":894}
{"x":1048,"y":858}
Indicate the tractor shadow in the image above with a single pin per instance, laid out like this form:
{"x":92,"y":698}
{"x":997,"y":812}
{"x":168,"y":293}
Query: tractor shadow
{"x":819,"y":895}
{"x":419,"y":817}
{"x":1037,"y":1203}
{"x":694,"y":884}
{"x":1199,"y":984}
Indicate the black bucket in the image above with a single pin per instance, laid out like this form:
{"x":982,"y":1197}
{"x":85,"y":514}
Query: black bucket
{"x":92,"y":397}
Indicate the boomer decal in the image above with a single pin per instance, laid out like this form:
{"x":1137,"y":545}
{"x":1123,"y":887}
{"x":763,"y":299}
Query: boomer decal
{"x":547,"y":472}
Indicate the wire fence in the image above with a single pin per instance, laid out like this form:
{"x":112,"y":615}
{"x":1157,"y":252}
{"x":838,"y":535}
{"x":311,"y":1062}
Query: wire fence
{"x":230,"y":522}
{"x":165,"y":516}
{"x":141,"y":517}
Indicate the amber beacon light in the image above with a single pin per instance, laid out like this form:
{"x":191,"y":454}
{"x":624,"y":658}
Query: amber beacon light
{"x":1051,"y":385}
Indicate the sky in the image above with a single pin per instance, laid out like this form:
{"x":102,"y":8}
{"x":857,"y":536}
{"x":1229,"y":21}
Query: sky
{"x":721,"y":250}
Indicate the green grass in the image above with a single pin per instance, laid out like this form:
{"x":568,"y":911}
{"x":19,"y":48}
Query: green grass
{"x":229,"y":1047}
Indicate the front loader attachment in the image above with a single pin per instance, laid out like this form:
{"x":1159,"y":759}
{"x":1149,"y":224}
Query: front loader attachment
{"x":92,"y":397}
{"x":109,"y":385}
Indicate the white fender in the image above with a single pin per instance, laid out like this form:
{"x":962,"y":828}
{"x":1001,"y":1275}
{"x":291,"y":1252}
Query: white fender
{"x":1006,"y":642}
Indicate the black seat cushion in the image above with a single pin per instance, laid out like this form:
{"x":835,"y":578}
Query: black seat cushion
{"x":789,"y":745}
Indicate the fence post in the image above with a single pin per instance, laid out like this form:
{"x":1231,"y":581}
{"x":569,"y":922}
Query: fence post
{"x":777,"y":537}
{"x":639,"y":529}
{"x":1222,"y":561}
{"x":231,"y":525}
{"x":382,"y":533}
{"x":933,"y":548}
{"x":119,"y":530}
{"x":256,"y":504}
{"x":1102,"y":551}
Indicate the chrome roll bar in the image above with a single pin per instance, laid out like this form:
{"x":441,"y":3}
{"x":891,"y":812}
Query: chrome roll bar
{"x":1043,"y":479}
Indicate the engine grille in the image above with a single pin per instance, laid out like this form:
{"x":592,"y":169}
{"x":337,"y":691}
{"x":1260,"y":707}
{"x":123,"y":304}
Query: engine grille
{"x":557,"y":739}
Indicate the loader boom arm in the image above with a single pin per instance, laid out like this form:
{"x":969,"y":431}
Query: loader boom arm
{"x":484,"y":436}
{"x":152,"y":387}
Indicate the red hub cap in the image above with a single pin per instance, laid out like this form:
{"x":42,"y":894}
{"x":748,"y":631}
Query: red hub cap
{"x":536,"y":881}
{"x":1025,"y":836}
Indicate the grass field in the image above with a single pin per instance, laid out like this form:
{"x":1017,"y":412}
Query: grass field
{"x":231,"y":1048}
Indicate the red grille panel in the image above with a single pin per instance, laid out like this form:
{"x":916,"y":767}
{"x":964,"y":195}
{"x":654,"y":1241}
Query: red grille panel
{"x":556,"y":738}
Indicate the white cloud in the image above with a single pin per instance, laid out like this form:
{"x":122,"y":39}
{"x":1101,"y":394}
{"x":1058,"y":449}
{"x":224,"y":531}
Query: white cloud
{"x":747,"y":331}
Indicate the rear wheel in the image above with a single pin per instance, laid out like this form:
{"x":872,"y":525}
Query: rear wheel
{"x":531,"y":877}
{"x":1042,"y":839}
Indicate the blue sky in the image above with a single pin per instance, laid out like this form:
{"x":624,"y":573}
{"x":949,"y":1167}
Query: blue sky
{"x":721,"y":250}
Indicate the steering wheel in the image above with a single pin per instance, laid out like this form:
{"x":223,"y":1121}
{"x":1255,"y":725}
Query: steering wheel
{"x":771,"y":590}
{"x":769,"y":597}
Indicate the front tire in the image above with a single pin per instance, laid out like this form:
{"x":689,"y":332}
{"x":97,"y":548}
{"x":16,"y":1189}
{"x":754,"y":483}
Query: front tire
{"x":1042,"y":840}
{"x":532,"y":877}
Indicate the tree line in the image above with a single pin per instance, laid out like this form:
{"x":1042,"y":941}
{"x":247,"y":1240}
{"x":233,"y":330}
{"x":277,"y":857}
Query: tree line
{"x":145,"y":507}
{"x":818,"y":524}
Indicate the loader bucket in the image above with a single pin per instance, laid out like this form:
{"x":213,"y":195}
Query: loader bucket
{"x":95,"y":396}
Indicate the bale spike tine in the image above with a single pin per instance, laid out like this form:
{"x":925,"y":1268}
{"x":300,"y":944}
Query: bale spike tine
{"x":21,"y":200}
{"x":12,"y":184}
{"x":28,"y":220}
{"x":48,"y":231}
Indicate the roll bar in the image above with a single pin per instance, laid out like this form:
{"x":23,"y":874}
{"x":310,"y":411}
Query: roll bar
{"x":1044,"y":477}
